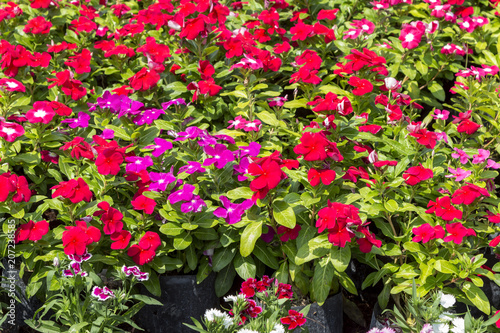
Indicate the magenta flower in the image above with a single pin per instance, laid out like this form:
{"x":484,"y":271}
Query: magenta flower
{"x":193,"y":205}
{"x":253,"y":149}
{"x":137,"y":164}
{"x":182,"y":195}
{"x":277,"y":101}
{"x":108,"y":134}
{"x":462,"y":155}
{"x":492,"y":164}
{"x":238,"y":123}
{"x":481,"y":156}
{"x":192,"y":132}
{"x":457,"y":232}
{"x":102,"y":294}
{"x":221,"y":156}
{"x":242,"y":168}
{"x":441,"y":114}
{"x":82,"y":121}
{"x":148,"y":116}
{"x":441,"y":136}
{"x":160,"y":181}
{"x":108,"y":101}
{"x":79,"y":259}
{"x":232,"y":212}
{"x":135,"y":271}
{"x":74,"y":270}
{"x":178,"y":101}
{"x":192,"y":167}
{"x":459,"y":174}
{"x":161,"y":147}
{"x":11,"y":131}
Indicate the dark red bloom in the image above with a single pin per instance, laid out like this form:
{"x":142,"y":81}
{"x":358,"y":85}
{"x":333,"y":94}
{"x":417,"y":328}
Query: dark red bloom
{"x":150,"y":241}
{"x":33,"y":231}
{"x":120,"y":240}
{"x":144,"y":79}
{"x":287,"y":233}
{"x":79,"y":148}
{"x":76,"y":190}
{"x":141,"y":256}
{"x":294,"y":319}
{"x":443,"y":208}
{"x":417,"y":174}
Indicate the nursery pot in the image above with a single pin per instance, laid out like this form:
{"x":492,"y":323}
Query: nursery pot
{"x":182,"y":298}
{"x":327,"y":318}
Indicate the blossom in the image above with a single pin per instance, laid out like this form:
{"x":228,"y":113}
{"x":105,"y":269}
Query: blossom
{"x":10,"y":131}
{"x":144,"y":79}
{"x":185,"y":194}
{"x":120,"y":239}
{"x":102,"y":294}
{"x":192,"y":167}
{"x":443,"y":208}
{"x":362,"y":86}
{"x":326,"y":176}
{"x":458,"y":325}
{"x":457,"y":232}
{"x":195,"y":204}
{"x":12,"y":85}
{"x":232,"y":212}
{"x":111,"y":217}
{"x":33,"y":231}
{"x":82,"y":121}
{"x":462,"y":155}
{"x":136,"y":272}
{"x":426,"y":138}
{"x":426,"y":232}
{"x":161,"y":147}
{"x":459,"y":174}
{"x":410,"y":37}
{"x":221,"y":156}
{"x":76,"y":238}
{"x":144,"y":203}
{"x":441,"y":114}
{"x":313,"y":146}
{"x":38,"y":25}
{"x":417,"y":174}
{"x":288,"y":233}
{"x":108,"y":162}
{"x":140,"y":255}
{"x":137,"y":164}
{"x":268,"y":175}
{"x":294,"y":319}
{"x":74,"y":270}
{"x":41,"y":113}
{"x":214,"y":315}
{"x":481,"y":156}
{"x":160,"y":181}
{"x":467,"y":194}
{"x":76,"y":190}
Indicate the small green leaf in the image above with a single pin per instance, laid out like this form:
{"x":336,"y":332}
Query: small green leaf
{"x":249,"y":236}
{"x":446,"y":267}
{"x":476,"y":296}
{"x":322,"y":279}
{"x":437,"y":91}
{"x":245,"y":266}
{"x":340,"y":256}
{"x":283,"y":214}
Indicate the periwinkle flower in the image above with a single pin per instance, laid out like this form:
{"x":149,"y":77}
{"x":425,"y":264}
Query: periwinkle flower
{"x":160,"y":181}
{"x":221,"y":156}
{"x":192,"y":167}
{"x":161,"y":147}
{"x":232,"y":212}
{"x":185,"y":194}
{"x":137,"y":164}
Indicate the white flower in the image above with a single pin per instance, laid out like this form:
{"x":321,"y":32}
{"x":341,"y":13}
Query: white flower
{"x":441,"y":328}
{"x":278,"y":328}
{"x":234,"y":298}
{"x":213,"y":314}
{"x":459,"y":325}
{"x":447,"y":300}
{"x":445,"y":317}
{"x":246,"y":330}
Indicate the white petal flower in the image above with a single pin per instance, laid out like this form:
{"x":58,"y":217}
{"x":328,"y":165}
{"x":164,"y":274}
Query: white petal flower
{"x":278,"y":328}
{"x":458,"y":325}
{"x":447,"y":300}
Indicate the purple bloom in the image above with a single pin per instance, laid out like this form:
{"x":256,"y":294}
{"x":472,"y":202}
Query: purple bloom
{"x":108,"y":134}
{"x":102,"y":294}
{"x":459,"y":173}
{"x":161,"y":146}
{"x":242,"y":168}
{"x":160,"y":181}
{"x":192,"y":132}
{"x":109,"y":101}
{"x":253,"y":149}
{"x":225,"y":138}
{"x":137,"y":164}
{"x":193,"y":205}
{"x":182,"y":195}
{"x":177,"y":101}
{"x":492,"y":164}
{"x":464,"y":158}
{"x":221,"y":156}
{"x":129,"y":107}
{"x":148,"y":116}
{"x":232,"y":212}
{"x":192,"y":167}
{"x":269,"y":235}
{"x":481,"y":156}
{"x":81,"y":121}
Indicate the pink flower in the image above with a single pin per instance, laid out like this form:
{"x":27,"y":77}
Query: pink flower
{"x":441,"y":114}
{"x":252,"y":126}
{"x":492,"y":164}
{"x":11,"y":131}
{"x":462,"y":155}
{"x":459,"y":174}
{"x":12,"y":85}
{"x":426,"y":232}
{"x":102,"y":294}
{"x":457,"y":232}
{"x":41,"y":113}
{"x":238,"y":123}
{"x":410,"y":37}
{"x":144,"y":203}
{"x":481,"y":156}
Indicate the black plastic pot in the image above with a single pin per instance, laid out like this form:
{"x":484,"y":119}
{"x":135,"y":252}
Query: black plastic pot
{"x":182,"y":299}
{"x":327,"y":318}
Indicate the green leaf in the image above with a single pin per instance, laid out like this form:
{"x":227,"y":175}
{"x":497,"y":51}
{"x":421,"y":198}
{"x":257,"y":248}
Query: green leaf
{"x":176,"y":86}
{"x":322,"y":279}
{"x":268,"y":118}
{"x":224,"y":280}
{"x":153,"y":284}
{"x":263,"y":254}
{"x":146,"y":299}
{"x":183,"y":241}
{"x":240,"y":193}
{"x":314,"y":248}
{"x":437,"y":91}
{"x":476,"y":296}
{"x":222,"y":257}
{"x":391,"y":205}
{"x":283,"y":214}
{"x":446,"y":267}
{"x":347,"y":283}
{"x":296,"y":103}
{"x":245,"y":267}
{"x":340,"y":257}
{"x":249,"y":236}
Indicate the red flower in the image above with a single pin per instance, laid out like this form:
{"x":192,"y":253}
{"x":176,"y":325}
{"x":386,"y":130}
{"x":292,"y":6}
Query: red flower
{"x":31,"y":231}
{"x":141,"y":256}
{"x":150,"y":241}
{"x":268,"y":174}
{"x":426,"y":232}
{"x":366,"y":243}
{"x":250,"y":286}
{"x":294,"y":319}
{"x":301,"y":31}
{"x":144,"y":79}
{"x":326,"y":176}
{"x":111,"y":217}
{"x":373,"y":129}
{"x":194,"y":27}
{"x":80,"y":148}
{"x":443,"y":208}
{"x":21,"y":191}
{"x":336,"y":217}
{"x":457,"y":232}
{"x":209,"y":87}
{"x":108,"y":162}
{"x":74,"y":241}
{"x":327,"y":14}
{"x":425,"y":138}
{"x":287,"y":233}
{"x":120,"y":240}
{"x":417,"y":174}
{"x":363,"y":86}
{"x":38,"y":25}
{"x":313,"y":146}
{"x":6,"y":186}
{"x":306,"y":76}
{"x":60,"y":108}
{"x":76,"y":190}
{"x":467,"y":194}
{"x":83,"y":24}
{"x":80,"y":61}
{"x":309,"y":59}
{"x":144,"y":203}
{"x":468,"y":126}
